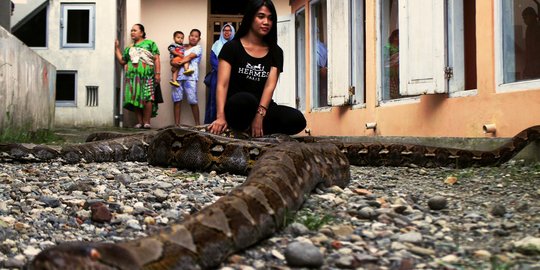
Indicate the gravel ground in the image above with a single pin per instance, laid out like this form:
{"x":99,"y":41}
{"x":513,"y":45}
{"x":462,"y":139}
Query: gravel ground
{"x":387,"y":218}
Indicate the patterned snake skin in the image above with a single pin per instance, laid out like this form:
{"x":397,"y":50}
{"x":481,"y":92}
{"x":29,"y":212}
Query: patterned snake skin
{"x":281,"y":174}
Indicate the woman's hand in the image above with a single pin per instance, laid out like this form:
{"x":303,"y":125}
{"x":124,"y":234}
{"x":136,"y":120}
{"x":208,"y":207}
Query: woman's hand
{"x":181,"y":62}
{"x":218,"y":126}
{"x":118,"y":53}
{"x":257,"y":126}
{"x":157,"y":76}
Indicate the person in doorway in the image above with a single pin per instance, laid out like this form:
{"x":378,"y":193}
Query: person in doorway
{"x":188,"y":83}
{"x":532,"y":44}
{"x":392,"y":64}
{"x":322,"y":66}
{"x":248,"y":71}
{"x":176,"y":53}
{"x":142,"y":71}
{"x":227,"y":33}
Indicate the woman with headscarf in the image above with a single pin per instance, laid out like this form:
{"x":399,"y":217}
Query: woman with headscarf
{"x":227,"y":33}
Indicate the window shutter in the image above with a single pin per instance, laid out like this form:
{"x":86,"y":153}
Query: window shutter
{"x":339,"y":60}
{"x":422,"y":43}
{"x":284,"y":94}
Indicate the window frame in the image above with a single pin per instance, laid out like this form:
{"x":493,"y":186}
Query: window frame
{"x":454,"y":55}
{"x":68,"y":103}
{"x":300,"y":54}
{"x":501,"y":86}
{"x":314,"y":81}
{"x":65,"y":8}
{"x":358,"y":46}
{"x":380,"y":65}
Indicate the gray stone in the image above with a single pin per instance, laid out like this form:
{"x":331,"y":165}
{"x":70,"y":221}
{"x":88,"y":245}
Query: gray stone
{"x":410,"y":237}
{"x":437,"y":203}
{"x":498,"y":210}
{"x":367,"y":213}
{"x":302,"y":254}
{"x":13,"y":263}
{"x":123,"y":178}
{"x":50,"y":201}
{"x":298,"y":229}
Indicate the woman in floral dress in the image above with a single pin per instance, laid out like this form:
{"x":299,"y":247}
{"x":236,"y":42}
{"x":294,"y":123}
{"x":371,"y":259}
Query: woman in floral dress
{"x":142,"y":72}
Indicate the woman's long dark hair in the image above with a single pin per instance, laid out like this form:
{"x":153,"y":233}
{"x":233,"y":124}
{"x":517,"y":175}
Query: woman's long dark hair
{"x":249,"y":14}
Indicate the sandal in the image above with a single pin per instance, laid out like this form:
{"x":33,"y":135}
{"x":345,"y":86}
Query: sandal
{"x":173,"y":83}
{"x":147,"y":126}
{"x":189,"y":72}
{"x":138,"y":126}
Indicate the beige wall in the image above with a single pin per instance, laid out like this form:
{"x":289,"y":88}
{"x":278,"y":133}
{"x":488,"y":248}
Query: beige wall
{"x":27,"y":84}
{"x":432,"y":115}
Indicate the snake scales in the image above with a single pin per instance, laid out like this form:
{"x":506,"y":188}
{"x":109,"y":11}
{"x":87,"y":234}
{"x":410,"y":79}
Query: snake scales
{"x":281,"y":174}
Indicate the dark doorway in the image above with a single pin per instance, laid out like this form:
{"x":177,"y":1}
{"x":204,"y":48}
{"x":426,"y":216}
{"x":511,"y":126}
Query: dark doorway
{"x":221,"y":7}
{"x":221,"y":13}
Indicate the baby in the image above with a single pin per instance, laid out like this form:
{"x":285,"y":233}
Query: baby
{"x":176,"y":51}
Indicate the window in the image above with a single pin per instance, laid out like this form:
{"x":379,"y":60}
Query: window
{"x":32,"y":30}
{"x":520,"y":40}
{"x":300,"y":34}
{"x":319,"y":54}
{"x":92,"y":98}
{"x":358,"y":51}
{"x":77,"y":25}
{"x":66,"y":88}
{"x":283,"y":93}
{"x":390,"y":49}
{"x":426,"y":47}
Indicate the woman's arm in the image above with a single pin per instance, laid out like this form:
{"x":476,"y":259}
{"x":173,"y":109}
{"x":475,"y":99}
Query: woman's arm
{"x":118,"y":53}
{"x":157,"y":67}
{"x":214,"y":61}
{"x":186,"y":59}
{"x":224,"y":75}
{"x":269,"y":87}
{"x":266,"y":98}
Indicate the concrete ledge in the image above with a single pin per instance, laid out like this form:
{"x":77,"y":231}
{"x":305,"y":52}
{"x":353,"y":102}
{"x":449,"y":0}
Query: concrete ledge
{"x":531,"y":153}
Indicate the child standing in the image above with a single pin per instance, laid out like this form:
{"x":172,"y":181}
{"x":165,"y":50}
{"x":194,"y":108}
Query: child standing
{"x":176,"y":51}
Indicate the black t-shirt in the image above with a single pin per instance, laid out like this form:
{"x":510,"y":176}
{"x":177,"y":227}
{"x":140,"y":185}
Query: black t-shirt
{"x":249,"y":74}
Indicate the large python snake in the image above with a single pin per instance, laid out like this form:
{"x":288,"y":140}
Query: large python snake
{"x":281,"y":173}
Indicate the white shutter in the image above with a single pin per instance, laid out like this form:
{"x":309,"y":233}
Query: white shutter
{"x":339,"y":60}
{"x":422,"y":47}
{"x":285,"y":89}
{"x":456,"y":45}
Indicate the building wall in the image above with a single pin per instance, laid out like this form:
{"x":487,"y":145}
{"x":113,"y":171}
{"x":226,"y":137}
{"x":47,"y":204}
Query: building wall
{"x":94,"y":66}
{"x":27,"y":87}
{"x":431,"y":115}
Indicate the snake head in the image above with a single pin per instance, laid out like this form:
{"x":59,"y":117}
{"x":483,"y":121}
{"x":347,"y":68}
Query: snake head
{"x":84,"y":255}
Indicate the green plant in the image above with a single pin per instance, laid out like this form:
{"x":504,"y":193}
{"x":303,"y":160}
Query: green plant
{"x":39,"y":136}
{"x":496,"y":264}
{"x":313,"y":221}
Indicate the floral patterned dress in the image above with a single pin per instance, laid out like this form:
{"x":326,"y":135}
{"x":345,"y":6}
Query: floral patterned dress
{"x":139,"y":75}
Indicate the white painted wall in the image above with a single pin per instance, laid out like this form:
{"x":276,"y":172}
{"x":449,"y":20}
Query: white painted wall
{"x":94,"y":66}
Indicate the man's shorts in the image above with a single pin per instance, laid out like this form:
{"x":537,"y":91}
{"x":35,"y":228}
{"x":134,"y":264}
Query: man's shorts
{"x":187,"y":87}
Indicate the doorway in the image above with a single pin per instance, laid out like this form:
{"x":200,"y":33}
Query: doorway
{"x":220,"y":13}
